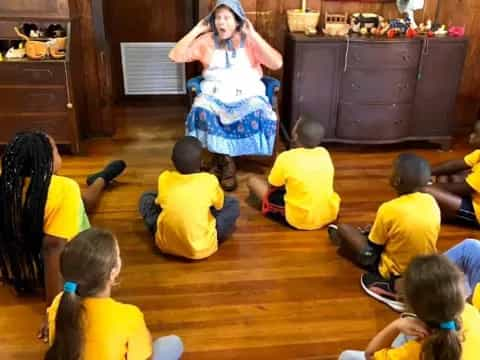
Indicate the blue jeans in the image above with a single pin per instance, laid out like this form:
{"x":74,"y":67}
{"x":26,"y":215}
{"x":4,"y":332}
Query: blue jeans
{"x":466,"y":256}
{"x":225,"y":217}
{"x":167,"y":348}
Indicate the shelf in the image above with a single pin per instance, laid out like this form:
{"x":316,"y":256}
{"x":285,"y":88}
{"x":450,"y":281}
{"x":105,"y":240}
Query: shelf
{"x":27,"y":60}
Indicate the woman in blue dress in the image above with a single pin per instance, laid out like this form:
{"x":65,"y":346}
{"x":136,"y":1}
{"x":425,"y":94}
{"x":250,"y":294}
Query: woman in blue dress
{"x":232,"y":115}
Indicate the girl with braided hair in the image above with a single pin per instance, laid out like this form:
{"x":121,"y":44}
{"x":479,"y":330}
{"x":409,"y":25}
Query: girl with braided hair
{"x":40,"y":211}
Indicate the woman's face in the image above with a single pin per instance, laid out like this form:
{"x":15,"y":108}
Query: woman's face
{"x":225,"y":23}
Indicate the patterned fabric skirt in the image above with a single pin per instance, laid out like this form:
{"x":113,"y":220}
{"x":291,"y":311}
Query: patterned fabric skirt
{"x":247,"y":127}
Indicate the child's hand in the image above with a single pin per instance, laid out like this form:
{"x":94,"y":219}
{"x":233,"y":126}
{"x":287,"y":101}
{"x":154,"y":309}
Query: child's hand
{"x":366,"y":229}
{"x":411,"y":326}
{"x":42,"y":334}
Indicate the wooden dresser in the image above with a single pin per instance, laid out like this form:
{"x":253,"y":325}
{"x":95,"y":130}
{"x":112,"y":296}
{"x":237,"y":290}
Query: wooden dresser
{"x":374,"y":91}
{"x":37,"y":94}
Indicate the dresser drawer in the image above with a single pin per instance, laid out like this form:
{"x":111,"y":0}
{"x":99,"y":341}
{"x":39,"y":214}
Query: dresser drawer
{"x":56,"y":126}
{"x":373,"y":122}
{"x":33,"y":100}
{"x":388,"y":86}
{"x":384,"y":55}
{"x":31,"y":73}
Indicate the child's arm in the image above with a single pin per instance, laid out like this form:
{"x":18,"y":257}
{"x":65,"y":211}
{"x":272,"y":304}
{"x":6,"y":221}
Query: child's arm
{"x":182,"y":52}
{"x":384,"y":339}
{"x":51,"y":249}
{"x":449,"y":167}
{"x":269,"y":57}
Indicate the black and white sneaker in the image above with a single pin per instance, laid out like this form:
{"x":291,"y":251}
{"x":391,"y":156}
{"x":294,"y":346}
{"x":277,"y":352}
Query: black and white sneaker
{"x":381,"y":290}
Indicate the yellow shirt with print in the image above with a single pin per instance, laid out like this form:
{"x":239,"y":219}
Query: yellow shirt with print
{"x":476,"y":297}
{"x":406,"y":226}
{"x":186,"y":226}
{"x":470,"y":346}
{"x":473,"y":179}
{"x":310,"y":199}
{"x":112,"y":330}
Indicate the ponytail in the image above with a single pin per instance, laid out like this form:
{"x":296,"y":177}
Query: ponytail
{"x":68,"y":343}
{"x":443,"y":345}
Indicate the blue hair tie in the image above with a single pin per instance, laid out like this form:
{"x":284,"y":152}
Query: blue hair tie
{"x":448,"y":325}
{"x":70,"y":287}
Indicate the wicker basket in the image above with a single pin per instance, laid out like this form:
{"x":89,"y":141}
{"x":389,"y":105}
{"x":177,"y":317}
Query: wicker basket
{"x":299,"y":21}
{"x":35,"y":50}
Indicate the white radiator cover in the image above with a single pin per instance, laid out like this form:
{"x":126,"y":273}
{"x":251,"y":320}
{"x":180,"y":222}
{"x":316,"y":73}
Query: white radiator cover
{"x":147,"y":70}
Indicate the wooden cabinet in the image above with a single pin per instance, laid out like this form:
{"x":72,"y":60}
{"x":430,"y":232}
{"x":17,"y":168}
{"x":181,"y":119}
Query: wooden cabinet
{"x":37,"y":94}
{"x":38,"y":9}
{"x":365,"y":90}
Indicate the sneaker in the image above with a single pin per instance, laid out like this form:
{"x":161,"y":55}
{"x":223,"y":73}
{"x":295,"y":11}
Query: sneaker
{"x":332,"y":230}
{"x":110,"y":172}
{"x":381,"y":290}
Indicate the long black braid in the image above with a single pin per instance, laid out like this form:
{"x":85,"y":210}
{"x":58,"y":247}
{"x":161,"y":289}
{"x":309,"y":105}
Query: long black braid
{"x":28,"y":161}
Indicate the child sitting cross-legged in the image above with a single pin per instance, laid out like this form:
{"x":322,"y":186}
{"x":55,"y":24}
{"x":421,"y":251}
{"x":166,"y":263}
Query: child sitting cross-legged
{"x":404,"y":228}
{"x":189,"y":215}
{"x":85,"y":322}
{"x":300,"y":185}
{"x":440,"y":326}
{"x":457,"y":189}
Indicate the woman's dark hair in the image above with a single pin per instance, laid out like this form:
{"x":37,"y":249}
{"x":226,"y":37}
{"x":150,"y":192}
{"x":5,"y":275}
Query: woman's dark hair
{"x":87,"y":260}
{"x":433,"y":291}
{"x":27,"y":167}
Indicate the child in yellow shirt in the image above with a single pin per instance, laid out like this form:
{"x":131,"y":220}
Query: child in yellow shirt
{"x":300,"y":185}
{"x":457,"y":195}
{"x":404,"y":228}
{"x":85,"y":322}
{"x":41,"y":211}
{"x":189,"y":215}
{"x":443,"y":327}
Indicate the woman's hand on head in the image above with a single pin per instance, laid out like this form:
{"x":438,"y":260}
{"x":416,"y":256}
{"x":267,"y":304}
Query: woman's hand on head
{"x":203,"y":26}
{"x":411,"y":326}
{"x":248,"y":28}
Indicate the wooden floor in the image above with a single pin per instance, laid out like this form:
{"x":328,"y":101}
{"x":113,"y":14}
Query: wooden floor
{"x":268,"y":293}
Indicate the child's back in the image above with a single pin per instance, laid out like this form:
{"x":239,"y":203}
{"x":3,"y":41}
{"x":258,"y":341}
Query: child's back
{"x":186,"y":225}
{"x":406,"y":226}
{"x":308,"y":174}
{"x":109,"y":327}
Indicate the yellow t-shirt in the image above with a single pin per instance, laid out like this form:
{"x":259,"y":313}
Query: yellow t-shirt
{"x":406,"y":226}
{"x":470,"y":347}
{"x":65,"y":214}
{"x":112,"y":330}
{"x":307,"y":174}
{"x":186,"y":226}
{"x":476,"y":297}
{"x":473,"y":179}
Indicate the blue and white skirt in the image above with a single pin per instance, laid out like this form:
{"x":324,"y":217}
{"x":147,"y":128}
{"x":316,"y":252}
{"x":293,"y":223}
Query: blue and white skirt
{"x":247,"y":127}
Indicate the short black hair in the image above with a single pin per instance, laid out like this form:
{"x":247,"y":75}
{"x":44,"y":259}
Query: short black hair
{"x":187,"y":155}
{"x":410,"y":172}
{"x":309,"y":132}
